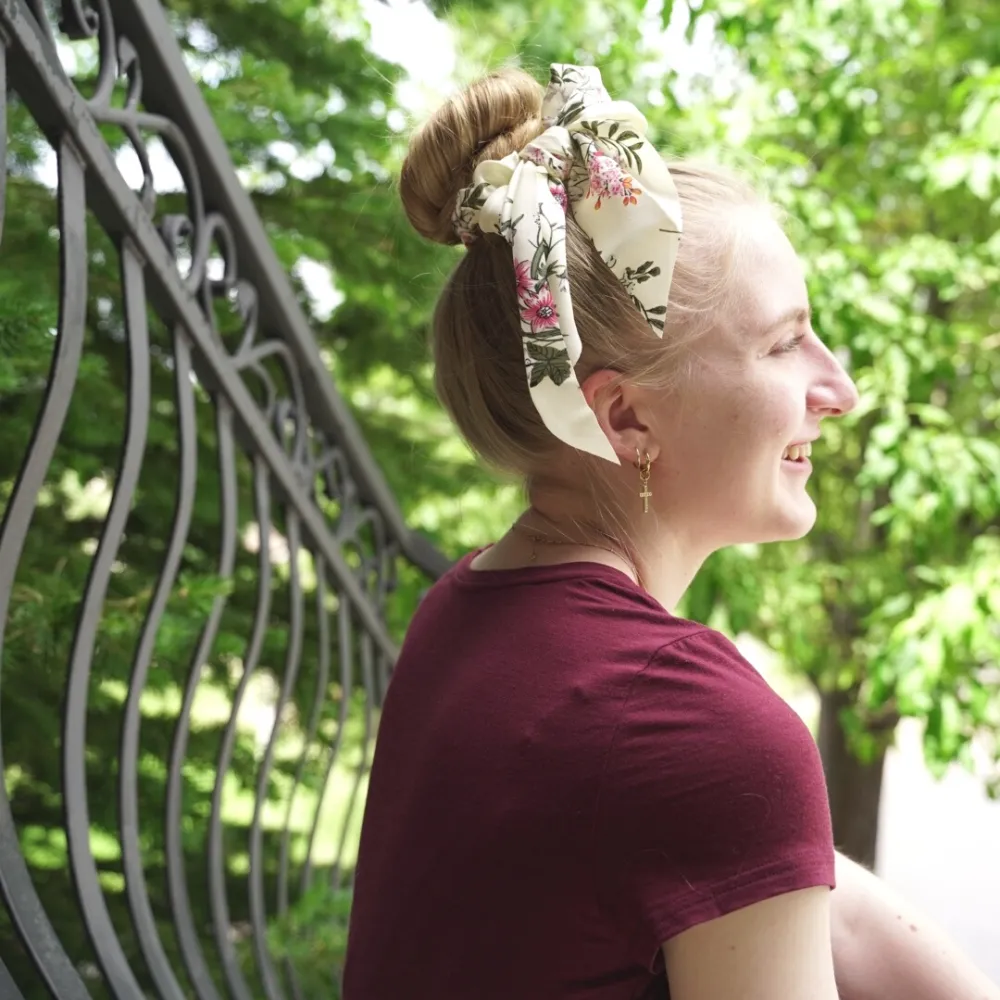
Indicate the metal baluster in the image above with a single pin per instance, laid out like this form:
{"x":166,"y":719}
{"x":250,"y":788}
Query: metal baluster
{"x":216,"y":862}
{"x":322,"y":679}
{"x":345,"y":644}
{"x":16,"y":888}
{"x":272,"y":986}
{"x":368,"y":677}
{"x":114,"y":964}
{"x":187,"y":936}
{"x":135,"y":879}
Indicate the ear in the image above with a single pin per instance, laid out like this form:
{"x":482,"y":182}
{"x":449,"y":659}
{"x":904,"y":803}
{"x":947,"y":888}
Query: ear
{"x":622,"y":413}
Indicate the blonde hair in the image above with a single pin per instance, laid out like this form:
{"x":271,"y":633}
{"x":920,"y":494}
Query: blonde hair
{"x":479,"y":365}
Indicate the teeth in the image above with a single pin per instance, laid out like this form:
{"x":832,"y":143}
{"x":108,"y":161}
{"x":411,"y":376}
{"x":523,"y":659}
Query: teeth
{"x":798,"y":451}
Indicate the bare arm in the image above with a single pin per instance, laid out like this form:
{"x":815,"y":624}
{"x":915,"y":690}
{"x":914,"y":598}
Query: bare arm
{"x":883,"y":949}
{"x":777,"y":948}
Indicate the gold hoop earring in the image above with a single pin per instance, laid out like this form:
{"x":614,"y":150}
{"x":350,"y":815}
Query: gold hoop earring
{"x":644,"y":491}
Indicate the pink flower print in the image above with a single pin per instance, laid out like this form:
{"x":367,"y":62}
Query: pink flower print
{"x":539,"y":311}
{"x":525,"y":282}
{"x":608,"y":180}
{"x":535,"y":154}
{"x":558,"y":191}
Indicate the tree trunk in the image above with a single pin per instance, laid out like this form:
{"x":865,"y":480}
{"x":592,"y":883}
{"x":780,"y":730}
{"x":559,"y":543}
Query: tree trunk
{"x":855,"y":788}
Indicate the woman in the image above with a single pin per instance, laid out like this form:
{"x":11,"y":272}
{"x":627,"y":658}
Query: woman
{"x":574,"y":790}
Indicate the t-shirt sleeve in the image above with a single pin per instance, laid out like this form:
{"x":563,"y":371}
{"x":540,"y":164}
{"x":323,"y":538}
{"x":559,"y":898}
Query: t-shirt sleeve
{"x":712,"y":798}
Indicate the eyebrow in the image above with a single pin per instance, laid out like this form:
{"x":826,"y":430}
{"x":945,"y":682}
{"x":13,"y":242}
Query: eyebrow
{"x":797,"y":316}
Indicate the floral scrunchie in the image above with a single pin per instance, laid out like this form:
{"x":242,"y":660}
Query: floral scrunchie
{"x":592,"y":156}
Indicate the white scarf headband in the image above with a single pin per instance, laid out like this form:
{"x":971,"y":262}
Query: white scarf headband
{"x":592,"y":156}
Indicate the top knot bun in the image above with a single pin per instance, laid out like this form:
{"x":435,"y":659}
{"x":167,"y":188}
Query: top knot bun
{"x":493,"y":117}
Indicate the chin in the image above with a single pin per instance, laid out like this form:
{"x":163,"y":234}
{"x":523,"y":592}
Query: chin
{"x":790,"y":524}
{"x":796,"y":524}
{"x":785,"y":529}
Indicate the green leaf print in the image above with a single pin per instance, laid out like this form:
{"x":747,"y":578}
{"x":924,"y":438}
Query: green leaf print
{"x":571,"y":112}
{"x":548,"y":362}
{"x":508,"y":229}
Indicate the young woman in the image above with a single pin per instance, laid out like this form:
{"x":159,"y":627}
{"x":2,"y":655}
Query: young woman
{"x":574,"y":791}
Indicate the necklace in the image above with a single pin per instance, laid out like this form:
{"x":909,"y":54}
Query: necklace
{"x":541,"y":539}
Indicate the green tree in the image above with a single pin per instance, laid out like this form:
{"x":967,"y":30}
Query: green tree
{"x":878,"y":126}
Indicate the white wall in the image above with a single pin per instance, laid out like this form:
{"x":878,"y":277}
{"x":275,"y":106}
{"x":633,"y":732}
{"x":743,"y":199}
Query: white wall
{"x":939,"y":841}
{"x":939,"y":845}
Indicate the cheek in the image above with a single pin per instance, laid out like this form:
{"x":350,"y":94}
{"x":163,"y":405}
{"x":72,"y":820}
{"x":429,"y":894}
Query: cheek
{"x":766,"y":414}
{"x":737,"y":414}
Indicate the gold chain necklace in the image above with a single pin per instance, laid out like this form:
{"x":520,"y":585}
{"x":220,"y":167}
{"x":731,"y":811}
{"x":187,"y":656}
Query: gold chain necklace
{"x":540,"y":539}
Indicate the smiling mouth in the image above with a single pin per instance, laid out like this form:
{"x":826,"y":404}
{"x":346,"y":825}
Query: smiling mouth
{"x":798,"y":453}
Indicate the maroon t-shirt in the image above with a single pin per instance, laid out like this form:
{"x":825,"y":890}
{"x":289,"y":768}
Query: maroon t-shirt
{"x":565,"y":777}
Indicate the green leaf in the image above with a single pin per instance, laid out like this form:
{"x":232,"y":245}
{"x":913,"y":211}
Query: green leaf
{"x":544,"y":352}
{"x":538,"y":259}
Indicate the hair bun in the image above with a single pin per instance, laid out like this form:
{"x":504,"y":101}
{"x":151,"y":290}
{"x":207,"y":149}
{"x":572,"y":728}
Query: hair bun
{"x":493,"y":117}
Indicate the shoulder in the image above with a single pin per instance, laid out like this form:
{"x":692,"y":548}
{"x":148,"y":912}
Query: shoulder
{"x":713,"y":794}
{"x":700,"y":681}
{"x":702,"y":652}
{"x":700,"y":712}
{"x":700,"y":724}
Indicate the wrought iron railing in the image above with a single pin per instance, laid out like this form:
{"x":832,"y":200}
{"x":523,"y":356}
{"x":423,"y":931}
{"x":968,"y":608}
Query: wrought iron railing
{"x":240,"y":731}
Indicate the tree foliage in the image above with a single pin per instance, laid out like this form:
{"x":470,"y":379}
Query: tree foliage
{"x":878,"y":127}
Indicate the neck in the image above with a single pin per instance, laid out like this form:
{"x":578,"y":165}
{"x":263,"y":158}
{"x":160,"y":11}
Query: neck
{"x":667,"y":566}
{"x":665,"y":563}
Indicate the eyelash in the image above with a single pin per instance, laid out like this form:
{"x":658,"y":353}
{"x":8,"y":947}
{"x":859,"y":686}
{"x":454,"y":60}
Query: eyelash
{"x":789,"y":345}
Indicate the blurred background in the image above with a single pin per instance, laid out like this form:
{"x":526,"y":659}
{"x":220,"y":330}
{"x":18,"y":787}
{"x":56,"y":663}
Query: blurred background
{"x":875,"y":124}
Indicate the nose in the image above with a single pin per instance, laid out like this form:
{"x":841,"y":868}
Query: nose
{"x":833,"y":392}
